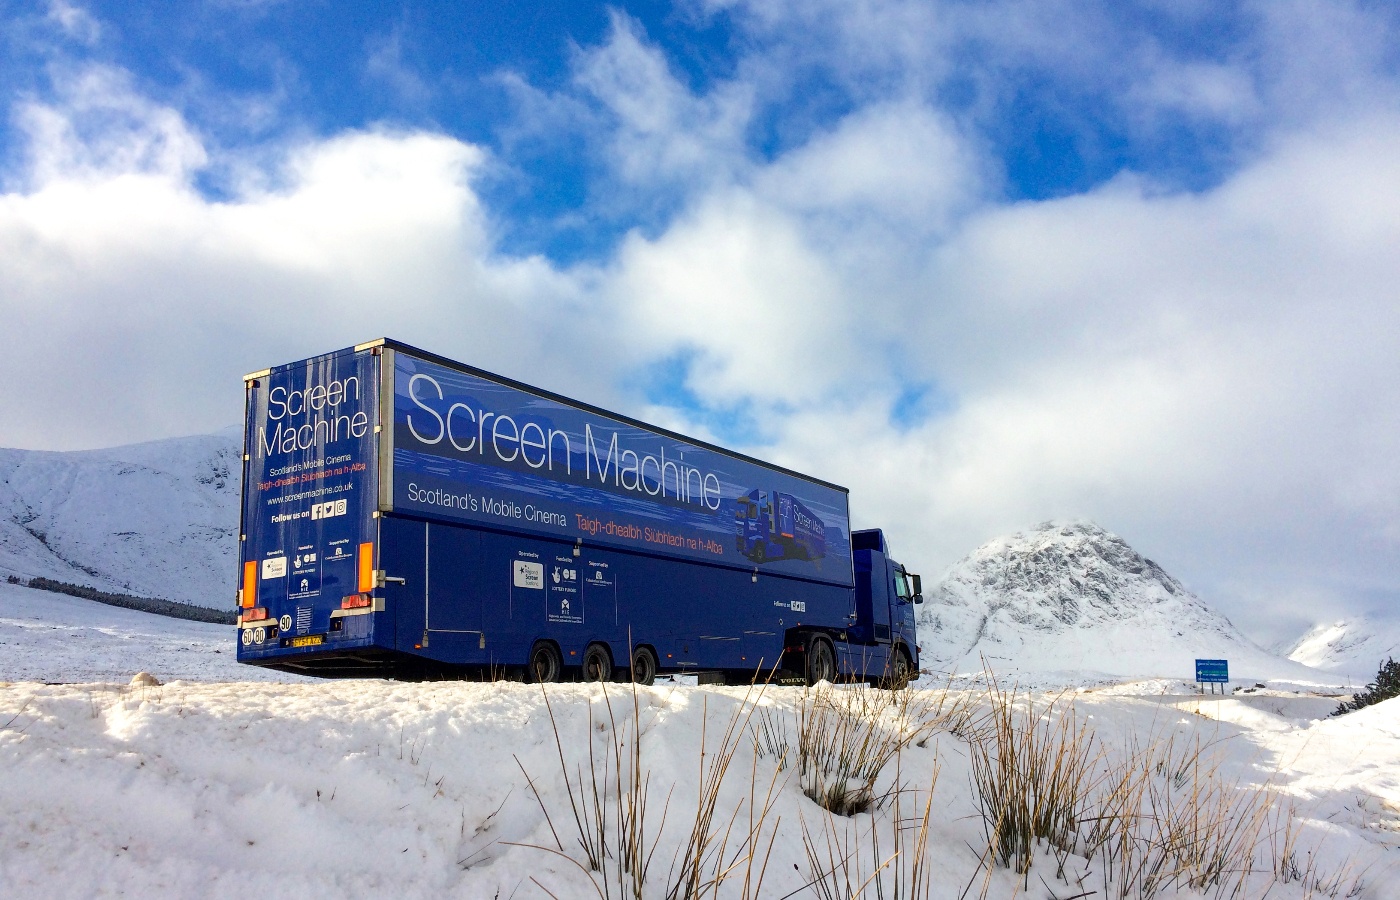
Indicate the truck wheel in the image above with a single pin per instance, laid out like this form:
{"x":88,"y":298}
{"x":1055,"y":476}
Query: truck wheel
{"x":900,"y":670}
{"x":545,"y":666}
{"x":643,"y":666}
{"x":597,"y":663}
{"x":821,"y":661}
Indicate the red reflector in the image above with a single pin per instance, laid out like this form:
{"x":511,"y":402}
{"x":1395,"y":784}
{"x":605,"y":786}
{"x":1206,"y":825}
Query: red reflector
{"x":356,"y":601}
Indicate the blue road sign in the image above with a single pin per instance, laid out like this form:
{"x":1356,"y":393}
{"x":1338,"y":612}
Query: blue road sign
{"x":1213,"y":671}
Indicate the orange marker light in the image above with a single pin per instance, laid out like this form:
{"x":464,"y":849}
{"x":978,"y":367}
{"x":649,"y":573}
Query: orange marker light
{"x":250,"y":583}
{"x":366,"y":563}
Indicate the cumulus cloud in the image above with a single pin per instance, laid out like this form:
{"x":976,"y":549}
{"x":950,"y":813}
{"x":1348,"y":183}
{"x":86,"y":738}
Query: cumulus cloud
{"x":142,"y":301}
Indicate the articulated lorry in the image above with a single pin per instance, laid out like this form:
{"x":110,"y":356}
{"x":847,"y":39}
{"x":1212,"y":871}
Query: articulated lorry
{"x":407,"y":516}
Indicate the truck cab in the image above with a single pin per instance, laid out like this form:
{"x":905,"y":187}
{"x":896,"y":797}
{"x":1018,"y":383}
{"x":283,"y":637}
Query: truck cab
{"x":885,"y":596}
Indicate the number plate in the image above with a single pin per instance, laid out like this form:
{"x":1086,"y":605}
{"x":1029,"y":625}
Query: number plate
{"x":308,"y":640}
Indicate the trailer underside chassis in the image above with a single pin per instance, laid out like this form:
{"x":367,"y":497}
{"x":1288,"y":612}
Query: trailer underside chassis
{"x":809,"y":657}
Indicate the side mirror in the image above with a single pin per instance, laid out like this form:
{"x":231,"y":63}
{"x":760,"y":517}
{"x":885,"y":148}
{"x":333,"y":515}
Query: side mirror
{"x":918,"y":584}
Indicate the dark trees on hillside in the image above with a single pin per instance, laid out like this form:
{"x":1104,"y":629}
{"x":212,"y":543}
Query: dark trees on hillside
{"x":1386,"y":685}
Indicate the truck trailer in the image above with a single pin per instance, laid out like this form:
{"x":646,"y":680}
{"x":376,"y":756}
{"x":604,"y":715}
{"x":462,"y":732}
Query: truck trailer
{"x":404,"y":515}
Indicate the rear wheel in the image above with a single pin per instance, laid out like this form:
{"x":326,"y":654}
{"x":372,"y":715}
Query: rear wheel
{"x":545,"y":666}
{"x":597,"y":663}
{"x":821,"y":661}
{"x":643,"y":666}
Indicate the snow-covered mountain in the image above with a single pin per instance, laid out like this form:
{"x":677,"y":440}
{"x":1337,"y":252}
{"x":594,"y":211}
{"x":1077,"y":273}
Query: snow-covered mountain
{"x":157,"y":519}
{"x":1072,"y":600}
{"x":1355,"y":647}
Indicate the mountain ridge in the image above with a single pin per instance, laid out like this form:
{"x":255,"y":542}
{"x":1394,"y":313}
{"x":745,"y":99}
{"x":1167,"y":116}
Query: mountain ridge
{"x":156,"y":519}
{"x":1356,"y":646}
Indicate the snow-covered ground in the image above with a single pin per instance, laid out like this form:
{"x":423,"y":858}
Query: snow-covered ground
{"x":217,"y":785}
{"x":54,"y":637}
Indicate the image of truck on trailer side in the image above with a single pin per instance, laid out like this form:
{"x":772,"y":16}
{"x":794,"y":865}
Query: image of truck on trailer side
{"x":404,"y":515}
{"x":769,"y":526}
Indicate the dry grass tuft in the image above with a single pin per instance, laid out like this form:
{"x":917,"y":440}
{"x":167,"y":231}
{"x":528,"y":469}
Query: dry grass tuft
{"x":1161,"y":819}
{"x":609,"y":802}
{"x":846,"y":737}
{"x":1032,"y":773}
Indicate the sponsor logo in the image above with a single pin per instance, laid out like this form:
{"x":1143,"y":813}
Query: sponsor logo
{"x":274,"y":567}
{"x":529,"y":575}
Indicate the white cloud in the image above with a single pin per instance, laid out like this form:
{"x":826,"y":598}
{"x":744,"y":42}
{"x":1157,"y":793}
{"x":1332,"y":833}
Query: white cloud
{"x":385,"y":63}
{"x":660,"y":131}
{"x":103,"y":126}
{"x":901,"y":162}
{"x":140,"y":302}
{"x":76,"y":22}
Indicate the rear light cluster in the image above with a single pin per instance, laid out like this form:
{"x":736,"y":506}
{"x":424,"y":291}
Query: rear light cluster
{"x":356,"y":601}
{"x":249,"y":597}
{"x":256,"y":614}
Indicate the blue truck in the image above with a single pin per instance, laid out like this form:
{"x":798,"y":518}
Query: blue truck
{"x":407,"y":516}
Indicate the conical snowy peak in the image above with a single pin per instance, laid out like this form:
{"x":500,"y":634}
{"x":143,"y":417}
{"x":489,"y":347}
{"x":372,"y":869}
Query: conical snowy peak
{"x":1065,"y":574}
{"x":1072,"y":597}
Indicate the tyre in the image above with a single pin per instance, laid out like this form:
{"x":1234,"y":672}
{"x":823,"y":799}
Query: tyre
{"x":900,"y":670}
{"x":597,"y":663}
{"x":545,"y":665}
{"x":821,"y":661}
{"x":643,"y":666}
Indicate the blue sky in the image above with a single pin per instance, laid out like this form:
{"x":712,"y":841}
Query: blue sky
{"x":247,"y":75}
{"x":987,"y":263}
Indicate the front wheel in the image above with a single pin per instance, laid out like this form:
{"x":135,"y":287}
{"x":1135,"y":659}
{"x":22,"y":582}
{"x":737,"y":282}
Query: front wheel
{"x":644,"y":666}
{"x":900,"y":670}
{"x":821,"y":661}
{"x":545,"y":665}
